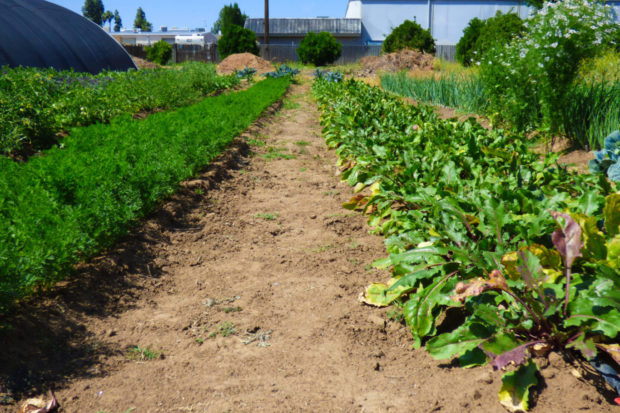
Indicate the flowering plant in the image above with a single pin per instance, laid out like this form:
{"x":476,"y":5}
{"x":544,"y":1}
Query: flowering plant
{"x":529,"y":77}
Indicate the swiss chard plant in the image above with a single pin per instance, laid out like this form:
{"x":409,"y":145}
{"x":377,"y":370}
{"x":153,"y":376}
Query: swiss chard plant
{"x":475,"y":220}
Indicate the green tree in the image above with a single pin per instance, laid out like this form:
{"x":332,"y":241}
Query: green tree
{"x":319,"y":49}
{"x":236,"y":39}
{"x":140,"y":21}
{"x":107,"y":18}
{"x":409,"y":35}
{"x":93,"y":10}
{"x":230,"y":14}
{"x":118,"y":22}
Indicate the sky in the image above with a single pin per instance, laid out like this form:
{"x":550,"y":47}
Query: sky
{"x":203,"y":13}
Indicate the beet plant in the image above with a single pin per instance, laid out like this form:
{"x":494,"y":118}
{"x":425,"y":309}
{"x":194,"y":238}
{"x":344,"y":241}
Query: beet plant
{"x":477,"y":224}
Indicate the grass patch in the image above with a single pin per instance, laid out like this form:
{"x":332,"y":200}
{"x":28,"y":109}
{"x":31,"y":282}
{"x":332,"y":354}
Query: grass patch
{"x":143,"y":354}
{"x":302,"y":143}
{"x":268,"y":216}
{"x":277,"y":153}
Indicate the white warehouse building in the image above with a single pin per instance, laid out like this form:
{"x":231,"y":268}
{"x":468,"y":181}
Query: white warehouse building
{"x":445,"y":18}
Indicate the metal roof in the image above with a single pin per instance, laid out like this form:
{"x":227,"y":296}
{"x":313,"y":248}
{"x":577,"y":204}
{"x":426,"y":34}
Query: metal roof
{"x":37,"y":33}
{"x":299,"y":27}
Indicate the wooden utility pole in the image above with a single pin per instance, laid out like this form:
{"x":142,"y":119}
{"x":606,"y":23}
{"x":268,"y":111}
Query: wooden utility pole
{"x":266,"y":29}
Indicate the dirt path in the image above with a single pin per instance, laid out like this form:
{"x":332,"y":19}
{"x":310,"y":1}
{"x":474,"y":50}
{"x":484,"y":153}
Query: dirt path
{"x":248,"y":290}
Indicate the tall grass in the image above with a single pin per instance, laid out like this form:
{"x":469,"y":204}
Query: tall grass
{"x":463,"y":92}
{"x":590,"y":112}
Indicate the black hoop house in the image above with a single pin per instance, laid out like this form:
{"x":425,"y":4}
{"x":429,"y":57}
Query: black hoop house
{"x":36,"y":33}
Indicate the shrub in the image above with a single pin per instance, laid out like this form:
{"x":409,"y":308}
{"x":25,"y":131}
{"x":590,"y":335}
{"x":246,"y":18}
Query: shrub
{"x":467,"y":43}
{"x":236,"y":39}
{"x":409,"y":35}
{"x":528,"y":80}
{"x":160,"y":52}
{"x":319,"y":49}
{"x":480,"y":36}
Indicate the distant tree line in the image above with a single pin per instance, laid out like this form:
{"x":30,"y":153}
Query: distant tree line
{"x":94,"y":10}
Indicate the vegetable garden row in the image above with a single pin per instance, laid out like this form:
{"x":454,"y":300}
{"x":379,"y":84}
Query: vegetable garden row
{"x":477,"y":224}
{"x":80,"y":197}
{"x":36,"y":104}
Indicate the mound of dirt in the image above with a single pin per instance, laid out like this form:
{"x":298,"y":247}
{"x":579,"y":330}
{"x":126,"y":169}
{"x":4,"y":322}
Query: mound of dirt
{"x":395,"y":62}
{"x":144,"y":64}
{"x":242,"y":60}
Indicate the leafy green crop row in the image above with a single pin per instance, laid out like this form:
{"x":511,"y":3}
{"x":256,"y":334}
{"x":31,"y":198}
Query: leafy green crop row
{"x":475,"y":222}
{"x":76,"y":200}
{"x":35,"y":104}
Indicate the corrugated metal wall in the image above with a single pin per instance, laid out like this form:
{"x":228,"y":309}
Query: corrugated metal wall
{"x":447,"y":18}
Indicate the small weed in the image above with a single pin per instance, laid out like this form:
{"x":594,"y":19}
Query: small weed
{"x":331,"y":193}
{"x":290,"y":104}
{"x":268,"y":216}
{"x":144,"y":354}
{"x":199,"y":191}
{"x":395,"y":315}
{"x":353,"y":244}
{"x":231,"y":309}
{"x":199,"y":340}
{"x":213,"y":334}
{"x":302,"y":143}
{"x":256,"y":142}
{"x":227,"y":329}
{"x":277,"y":153}
{"x":303,"y":169}
{"x":354,"y":261}
{"x":368,"y":268}
{"x":322,"y":248}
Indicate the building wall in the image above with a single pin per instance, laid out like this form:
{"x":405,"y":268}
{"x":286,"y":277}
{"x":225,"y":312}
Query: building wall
{"x":446,"y":18}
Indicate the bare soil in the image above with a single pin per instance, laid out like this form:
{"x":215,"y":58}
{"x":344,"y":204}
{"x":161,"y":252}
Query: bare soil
{"x":240,"y":294}
{"x":240,"y":61}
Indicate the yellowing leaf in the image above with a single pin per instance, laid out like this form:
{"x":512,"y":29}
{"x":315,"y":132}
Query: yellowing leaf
{"x":550,"y":260}
{"x":377,"y":295}
{"x":594,"y":240}
{"x":515,"y":391}
{"x":613,"y":252}
{"x":612,"y":214}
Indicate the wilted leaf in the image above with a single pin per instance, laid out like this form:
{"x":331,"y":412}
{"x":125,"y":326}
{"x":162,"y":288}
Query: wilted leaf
{"x":584,"y":345}
{"x":612,"y":349}
{"x":567,"y":239}
{"x":476,"y":287}
{"x":515,"y":391}
{"x":380,"y":295}
{"x":358,"y":201}
{"x":40,"y":405}
{"x":611,"y":212}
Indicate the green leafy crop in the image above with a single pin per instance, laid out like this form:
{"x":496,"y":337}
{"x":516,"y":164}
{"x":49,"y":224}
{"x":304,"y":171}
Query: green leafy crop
{"x":473,"y":219}
{"x":76,"y":200}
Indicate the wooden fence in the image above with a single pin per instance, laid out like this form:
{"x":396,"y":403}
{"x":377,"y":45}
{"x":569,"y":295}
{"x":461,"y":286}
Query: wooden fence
{"x":181,"y":53}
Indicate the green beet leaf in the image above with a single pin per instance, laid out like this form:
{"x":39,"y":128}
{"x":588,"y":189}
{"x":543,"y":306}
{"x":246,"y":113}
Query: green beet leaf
{"x":456,"y":343}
